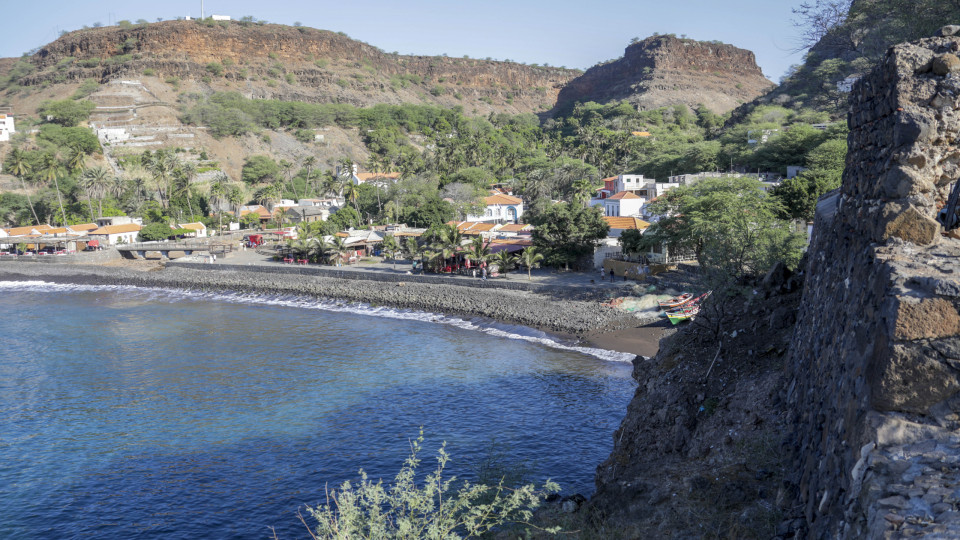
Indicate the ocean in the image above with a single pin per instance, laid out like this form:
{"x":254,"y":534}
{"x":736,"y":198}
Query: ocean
{"x":149,"y":413}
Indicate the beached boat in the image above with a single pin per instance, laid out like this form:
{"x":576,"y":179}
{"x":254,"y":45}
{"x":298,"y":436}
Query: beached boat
{"x":682,"y":313}
{"x":676,"y":301}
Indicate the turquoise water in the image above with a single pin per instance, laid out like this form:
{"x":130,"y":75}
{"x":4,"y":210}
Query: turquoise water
{"x":146,"y":413}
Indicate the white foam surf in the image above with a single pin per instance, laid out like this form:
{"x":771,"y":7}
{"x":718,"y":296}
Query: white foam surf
{"x":305,"y":302}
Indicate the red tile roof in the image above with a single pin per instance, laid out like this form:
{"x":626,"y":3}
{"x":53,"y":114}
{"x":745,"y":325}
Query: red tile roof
{"x":624,"y":223}
{"x":116,"y":229}
{"x":500,"y":198}
{"x":623,"y":195}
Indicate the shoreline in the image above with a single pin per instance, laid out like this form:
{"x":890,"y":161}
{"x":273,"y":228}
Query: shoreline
{"x":583,"y":323}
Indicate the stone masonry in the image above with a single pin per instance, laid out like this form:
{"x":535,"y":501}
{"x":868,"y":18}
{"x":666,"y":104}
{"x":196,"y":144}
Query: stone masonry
{"x":874,"y":365}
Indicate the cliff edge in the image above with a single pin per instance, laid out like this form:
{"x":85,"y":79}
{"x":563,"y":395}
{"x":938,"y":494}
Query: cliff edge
{"x":661,"y":71}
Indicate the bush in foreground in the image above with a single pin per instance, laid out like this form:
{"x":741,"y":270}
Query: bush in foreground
{"x":439,"y":509}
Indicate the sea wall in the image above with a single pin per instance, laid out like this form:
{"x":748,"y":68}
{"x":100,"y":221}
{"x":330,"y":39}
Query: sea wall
{"x":873,"y":369}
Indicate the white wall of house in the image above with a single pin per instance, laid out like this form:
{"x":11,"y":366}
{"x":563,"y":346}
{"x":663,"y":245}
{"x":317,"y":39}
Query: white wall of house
{"x":6,"y":126}
{"x":622,"y":207}
{"x":116,"y":238}
{"x":498,"y":212}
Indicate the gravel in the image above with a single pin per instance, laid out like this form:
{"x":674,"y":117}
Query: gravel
{"x":514,"y":307}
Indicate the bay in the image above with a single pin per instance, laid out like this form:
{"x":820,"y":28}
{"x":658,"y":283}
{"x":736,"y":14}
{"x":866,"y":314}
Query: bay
{"x":129,"y":412}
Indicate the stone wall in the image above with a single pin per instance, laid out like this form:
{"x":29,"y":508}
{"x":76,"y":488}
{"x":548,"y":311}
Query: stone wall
{"x":874,"y":365}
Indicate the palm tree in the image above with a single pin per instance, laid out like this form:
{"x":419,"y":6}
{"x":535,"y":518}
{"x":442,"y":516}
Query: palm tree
{"x":51,"y":172}
{"x":351,"y":191}
{"x":391,"y":248}
{"x":95,"y":182}
{"x":236,"y":196}
{"x":308,"y":163}
{"x":161,"y":165}
{"x":217,"y":194}
{"x":412,"y":248}
{"x":479,"y":251}
{"x":531,"y":259}
{"x":504,"y":261}
{"x":19,"y":167}
{"x":582,"y":191}
{"x":335,"y":249}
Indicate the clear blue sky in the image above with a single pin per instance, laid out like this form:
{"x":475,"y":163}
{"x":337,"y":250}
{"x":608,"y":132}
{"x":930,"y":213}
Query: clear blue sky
{"x":559,"y":32}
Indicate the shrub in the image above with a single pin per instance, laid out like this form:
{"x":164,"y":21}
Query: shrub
{"x":149,"y":72}
{"x":437,"y":509}
{"x":215,"y":68}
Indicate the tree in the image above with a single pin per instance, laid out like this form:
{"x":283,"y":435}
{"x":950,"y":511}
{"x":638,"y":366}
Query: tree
{"x":96,"y":182}
{"x":154,"y":232}
{"x":631,"y":241}
{"x":731,"y":224}
{"x":818,"y":18}
{"x":67,"y":112}
{"x":531,"y":259}
{"x":391,"y":248}
{"x":505,"y":261}
{"x":19,"y":166}
{"x":52,"y":172}
{"x":478,"y":251}
{"x":351,"y":191}
{"x":567,"y":233}
{"x":257,"y":169}
{"x":799,"y":194}
{"x":429,"y":213}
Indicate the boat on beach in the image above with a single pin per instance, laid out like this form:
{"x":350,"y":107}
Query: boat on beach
{"x":676,"y":301}
{"x":684,"y":313}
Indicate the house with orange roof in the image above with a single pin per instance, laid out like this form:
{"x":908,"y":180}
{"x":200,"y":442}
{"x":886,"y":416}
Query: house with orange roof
{"x":382,"y":178}
{"x":501,"y":208}
{"x":27,"y":230}
{"x":610,"y":246}
{"x":83,"y":228}
{"x":112,"y":235}
{"x":199,"y":229}
{"x":623,"y":204}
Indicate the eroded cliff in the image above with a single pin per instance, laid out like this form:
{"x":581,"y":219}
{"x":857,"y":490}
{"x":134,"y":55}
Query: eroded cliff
{"x":661,"y":71}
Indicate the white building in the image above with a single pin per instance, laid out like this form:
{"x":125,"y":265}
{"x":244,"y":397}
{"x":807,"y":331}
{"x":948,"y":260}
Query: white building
{"x":622,"y":204}
{"x":220,"y":17}
{"x":610,"y":246}
{"x":199,"y":229}
{"x":112,"y":235}
{"x":6,"y":124}
{"x":501,"y":208}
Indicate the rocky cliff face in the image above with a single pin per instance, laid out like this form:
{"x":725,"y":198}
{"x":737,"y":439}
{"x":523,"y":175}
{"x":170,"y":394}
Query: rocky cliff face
{"x":875,"y":361}
{"x":866,"y":413}
{"x":662,"y":70}
{"x":283,"y":62}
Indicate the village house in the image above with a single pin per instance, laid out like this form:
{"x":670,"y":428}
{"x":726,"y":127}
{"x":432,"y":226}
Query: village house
{"x":500,"y":208}
{"x":609,"y":247}
{"x":112,"y":235}
{"x":307,"y":214}
{"x":199,"y":230}
{"x":7,"y":126}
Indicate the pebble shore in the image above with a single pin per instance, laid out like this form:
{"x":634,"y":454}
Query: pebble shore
{"x":548,"y":313}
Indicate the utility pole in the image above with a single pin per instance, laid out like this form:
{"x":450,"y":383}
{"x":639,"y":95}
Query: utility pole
{"x":201,"y":10}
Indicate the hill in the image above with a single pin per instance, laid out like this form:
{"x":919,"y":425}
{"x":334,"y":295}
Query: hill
{"x":288,"y":63}
{"x":664,"y":70}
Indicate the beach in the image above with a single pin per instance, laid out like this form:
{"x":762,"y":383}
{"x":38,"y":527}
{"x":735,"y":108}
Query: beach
{"x":595,"y":325}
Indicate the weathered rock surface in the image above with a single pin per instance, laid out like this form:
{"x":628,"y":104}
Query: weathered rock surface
{"x":325,"y":66}
{"x":663,"y":70}
{"x":873,"y":366}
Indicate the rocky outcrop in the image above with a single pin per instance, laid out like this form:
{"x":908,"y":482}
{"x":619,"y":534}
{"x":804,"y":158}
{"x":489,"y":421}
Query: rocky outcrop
{"x":869,"y":399}
{"x":299,"y":63}
{"x":663,"y":70}
{"x":875,"y":362}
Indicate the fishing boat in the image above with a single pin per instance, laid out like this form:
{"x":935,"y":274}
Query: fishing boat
{"x":682,"y":313}
{"x":676,"y":301}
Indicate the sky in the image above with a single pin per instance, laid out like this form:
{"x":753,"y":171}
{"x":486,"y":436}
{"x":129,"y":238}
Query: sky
{"x":576,"y":34}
